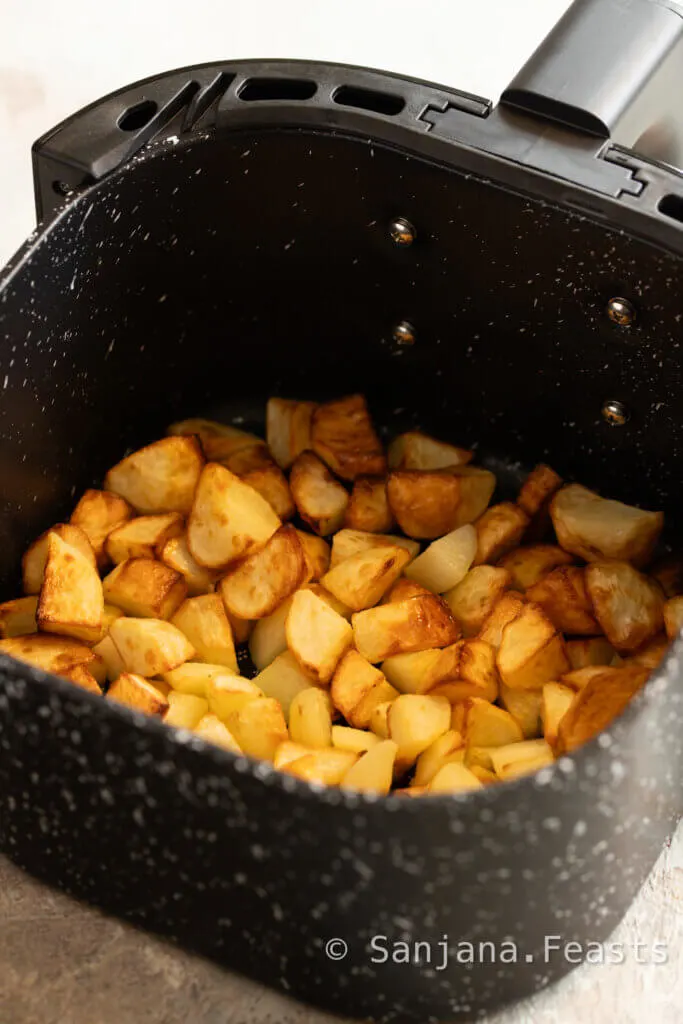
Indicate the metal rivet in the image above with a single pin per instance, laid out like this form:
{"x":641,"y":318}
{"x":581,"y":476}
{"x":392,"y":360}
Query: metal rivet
{"x":404,"y":333}
{"x":615,"y":413}
{"x":402,"y":232}
{"x":621,"y":311}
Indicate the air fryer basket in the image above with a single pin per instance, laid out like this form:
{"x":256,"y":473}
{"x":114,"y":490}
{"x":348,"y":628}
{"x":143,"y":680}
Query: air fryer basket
{"x":220,"y":234}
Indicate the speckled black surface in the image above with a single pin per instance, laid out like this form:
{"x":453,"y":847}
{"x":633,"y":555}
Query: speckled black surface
{"x":203,"y":277}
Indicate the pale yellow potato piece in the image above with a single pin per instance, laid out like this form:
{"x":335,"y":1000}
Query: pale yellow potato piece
{"x":142,"y":536}
{"x":310,"y":718}
{"x":361,"y":581}
{"x":479,"y":757}
{"x":415,"y":450}
{"x":241,"y":628}
{"x":379,"y":719}
{"x":597,"y":528}
{"x":204,"y":622}
{"x":518,"y":768}
{"x":316,"y":635}
{"x":454,"y":778}
{"x":317,"y":554}
{"x":150,"y":646}
{"x":97,"y":514}
{"x":268,"y":637}
{"x":145,"y":588}
{"x":403,"y":589}
{"x":136,"y":692}
{"x":35,"y":557}
{"x":563,"y":597}
{"x":362,"y":715}
{"x":83,"y":677}
{"x":185,"y":711}
{"x":57,"y":654}
{"x":343,"y":436}
{"x":347,"y":543}
{"x":528,"y":565}
{"x":161,"y":477}
{"x":228,"y":694}
{"x":604,"y":697}
{"x":540,"y":485}
{"x":415,"y":721}
{"x":556,"y":701}
{"x":106,"y":650}
{"x":531,"y":652}
{"x":578,"y":678}
{"x":673,"y":617}
{"x":499,"y":529}
{"x":448,"y":748}
{"x":283,"y":679}
{"x":446,"y":561}
{"x":368,"y":507}
{"x":321,"y":500}
{"x":594,"y":650}
{"x":193,"y":677}
{"x":18,"y":617}
{"x":176,"y":555}
{"x":513,"y":753}
{"x":476,"y":489}
{"x":212,"y":730}
{"x":464,"y":669}
{"x":475,"y":596}
{"x":325,"y":767}
{"x":482,"y":724}
{"x":287,"y":752}
{"x":70,"y":602}
{"x":259,"y":727}
{"x":338,"y":606}
{"x":483,"y":774}
{"x":288,"y":429}
{"x":373,"y":772}
{"x":255,"y":466}
{"x":359,"y":741}
{"x":525,"y":708}
{"x":504,"y":611}
{"x":354,"y":679}
{"x":627,"y":604}
{"x":229,"y":519}
{"x":404,"y":626}
{"x":261,"y":582}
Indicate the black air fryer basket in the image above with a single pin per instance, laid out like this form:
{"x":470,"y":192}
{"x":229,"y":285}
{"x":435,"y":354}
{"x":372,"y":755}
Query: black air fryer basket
{"x":223,"y":233}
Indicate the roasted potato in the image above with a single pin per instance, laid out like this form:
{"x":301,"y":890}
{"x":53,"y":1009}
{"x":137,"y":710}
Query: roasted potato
{"x":627,"y":604}
{"x":454,"y":778}
{"x":138,"y":693}
{"x":525,"y":708}
{"x":593,"y":650}
{"x":256,"y":467}
{"x":361,"y":581}
{"x":18,"y":617}
{"x":145,"y":588}
{"x":184,"y":710}
{"x":268,"y":637}
{"x":403,"y":589}
{"x":464,"y":669}
{"x":668,"y":573}
{"x":430,"y":503}
{"x":528,"y":565}
{"x":71,"y":601}
{"x":345,"y":737}
{"x":404,"y":626}
{"x":310,"y":718}
{"x":598,"y":528}
{"x":150,"y":647}
{"x":83,"y":677}
{"x":374,"y":770}
{"x":673,"y":617}
{"x":107,"y":650}
{"x":288,"y":429}
{"x":212,"y":730}
{"x":343,"y":436}
{"x":325,"y":767}
{"x":538,"y":489}
{"x":448,"y":748}
{"x":556,"y":700}
{"x":55,"y":654}
{"x":580,"y":677}
{"x":283,"y":679}
{"x":504,"y":611}
{"x":35,"y":557}
{"x":176,"y":555}
{"x":162,"y":477}
{"x":259,"y":727}
{"x":520,"y":758}
{"x":218,"y":440}
{"x":498,"y":530}
{"x":415,"y":722}
{"x":287,"y":752}
{"x":321,"y":500}
{"x":368,"y":507}
{"x":563,"y":597}
{"x":415,"y":450}
{"x":194,"y":677}
{"x":348,"y":543}
{"x":204,"y":622}
{"x":142,"y":537}
{"x":445,"y":562}
{"x":472,"y":600}
{"x":317,"y":554}
{"x":227,"y":694}
{"x":357,"y":688}
{"x":258,"y":585}
{"x":482,"y":724}
{"x":531,"y":651}
{"x":317,"y":636}
{"x":97,"y":514}
{"x":597,"y":704}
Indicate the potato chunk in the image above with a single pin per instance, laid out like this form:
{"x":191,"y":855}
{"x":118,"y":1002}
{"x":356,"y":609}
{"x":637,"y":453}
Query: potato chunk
{"x":525,"y":708}
{"x":556,"y":701}
{"x":71,"y":601}
{"x":204,"y":622}
{"x":259,"y":727}
{"x":429,"y":503}
{"x":368,"y":507}
{"x":499,"y":529}
{"x":563,"y":597}
{"x":464,"y":669}
{"x":673,"y":617}
{"x":137,"y":692}
{"x":596,"y":528}
{"x":454,"y":778}
{"x":145,"y":589}
{"x":531,"y":652}
{"x":443,"y":564}
{"x":229,"y":519}
{"x":360,"y":581}
{"x":212,"y":730}
{"x":184,"y":711}
{"x":113,"y":664}
{"x":310,"y":718}
{"x":403,"y":589}
{"x":357,"y":688}
{"x":35,"y":557}
{"x":325,"y":767}
{"x":256,"y":467}
{"x":195,"y":677}
{"x":538,"y":489}
{"x":668,"y":572}
{"x":449,"y":748}
{"x":415,"y":722}
{"x":528,"y":565}
{"x":53,"y":654}
{"x":227,"y":694}
{"x":482,"y":724}
{"x":627,"y":604}
{"x":516,"y":759}
{"x":162,"y":477}
{"x":415,"y":450}
{"x":473,"y":599}
{"x":283,"y":679}
{"x":505,"y":610}
{"x":404,"y":626}
{"x":150,"y":646}
{"x":97,"y":514}
{"x":140,"y":537}
{"x":373,"y":772}
{"x":316,"y":635}
{"x":344,"y":737}
{"x":604,"y":697}
{"x":321,"y":500}
{"x":347,"y":543}
{"x":343,"y":436}
{"x":288,"y":429}
{"x":218,"y":440}
{"x":176,"y":555}
{"x":594,"y":650}
{"x":258,"y":585}
{"x":18,"y":617}
{"x":317,"y":554}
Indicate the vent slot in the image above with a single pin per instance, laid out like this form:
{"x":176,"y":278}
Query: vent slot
{"x":369,"y":99}
{"x":255,"y":89}
{"x":671,"y":206}
{"x":137,"y":116}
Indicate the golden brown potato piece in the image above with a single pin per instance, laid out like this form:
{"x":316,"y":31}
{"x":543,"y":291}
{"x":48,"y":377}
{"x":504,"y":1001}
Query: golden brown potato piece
{"x":257,"y":468}
{"x":403,"y":589}
{"x":650,"y":655}
{"x":483,"y":774}
{"x":97,"y":514}
{"x":423,"y":502}
{"x":454,"y":778}
{"x":321,"y":500}
{"x":162,"y":477}
{"x":137,"y":692}
{"x":597,"y":528}
{"x":195,"y":677}
{"x":82,"y":677}
{"x":404,"y":626}
{"x":184,"y":710}
{"x":347,"y":543}
{"x":317,"y":636}
{"x":288,"y":752}
{"x":368,"y":507}
{"x":673,"y":617}
{"x":204,"y":622}
{"x":229,"y":519}
{"x":241,"y":628}
{"x":288,"y":429}
{"x":482,"y":724}
{"x":317,"y":554}
{"x":325,"y":767}
{"x":415,"y":450}
{"x":538,"y":488}
{"x":260,"y":583}
{"x":668,"y":572}
{"x":150,"y":646}
{"x":113,"y":664}
{"x":343,"y":435}
{"x":556,"y":700}
{"x":33,"y":562}
{"x":445,"y":562}
{"x":627,"y":604}
{"x":580,"y":677}
{"x":415,"y":722}
{"x":499,"y":529}
{"x":379,"y":719}
{"x":176,"y":555}
{"x":212,"y":730}
{"x":373,"y":772}
{"x":345,"y":737}
{"x":464,"y":669}
{"x":597,"y":704}
{"x":18,"y":617}
{"x":354,"y":679}
{"x":520,"y":758}
{"x":142,"y":536}
{"x":563,"y":597}
{"x":590,"y":651}
{"x":505,"y":610}
{"x":218,"y":440}
{"x":360,"y":581}
{"x":283,"y":679}
{"x":310,"y":718}
{"x":71,"y":601}
{"x":259,"y":727}
{"x":227,"y":694}
{"x":145,"y":588}
{"x":525,"y":708}
{"x":474,"y":598}
{"x":528,"y":565}
{"x":531,"y":652}
{"x":448,"y":748}
{"x":53,"y":654}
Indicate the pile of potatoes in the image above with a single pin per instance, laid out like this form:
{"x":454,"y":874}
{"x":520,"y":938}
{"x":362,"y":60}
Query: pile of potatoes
{"x":407,"y":636}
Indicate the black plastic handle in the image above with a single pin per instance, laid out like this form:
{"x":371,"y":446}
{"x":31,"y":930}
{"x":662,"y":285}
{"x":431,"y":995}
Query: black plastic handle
{"x":612,"y":69}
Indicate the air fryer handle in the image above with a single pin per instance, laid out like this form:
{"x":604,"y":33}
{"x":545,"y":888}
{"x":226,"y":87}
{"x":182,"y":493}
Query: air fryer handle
{"x":612,"y":69}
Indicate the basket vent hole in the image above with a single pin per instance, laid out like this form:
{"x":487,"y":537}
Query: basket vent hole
{"x":671,"y":206}
{"x":369,"y":99}
{"x":137,"y":116}
{"x":277,"y":89}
